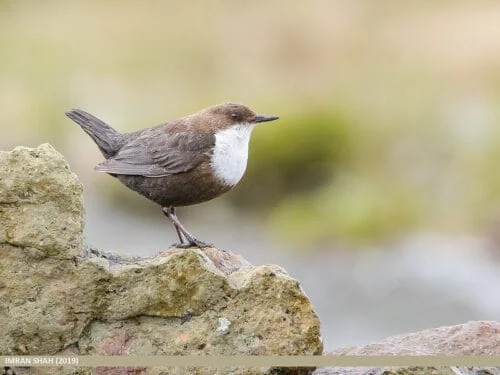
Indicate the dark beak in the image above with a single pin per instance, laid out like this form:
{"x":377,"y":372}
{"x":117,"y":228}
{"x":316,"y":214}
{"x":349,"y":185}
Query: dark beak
{"x":261,"y":118}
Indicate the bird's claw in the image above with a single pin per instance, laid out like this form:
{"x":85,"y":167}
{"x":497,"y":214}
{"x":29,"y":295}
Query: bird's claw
{"x":191,"y":243}
{"x":201,"y":244}
{"x":180,"y":245}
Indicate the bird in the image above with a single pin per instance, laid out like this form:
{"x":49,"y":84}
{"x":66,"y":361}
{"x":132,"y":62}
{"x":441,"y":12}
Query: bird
{"x":182,"y":162}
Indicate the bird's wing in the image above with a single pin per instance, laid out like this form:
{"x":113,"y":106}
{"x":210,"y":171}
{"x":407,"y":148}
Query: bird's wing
{"x":157,"y":153}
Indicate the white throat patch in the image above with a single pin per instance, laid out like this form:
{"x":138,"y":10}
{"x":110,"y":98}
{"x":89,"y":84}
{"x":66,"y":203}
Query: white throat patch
{"x":230,"y":156}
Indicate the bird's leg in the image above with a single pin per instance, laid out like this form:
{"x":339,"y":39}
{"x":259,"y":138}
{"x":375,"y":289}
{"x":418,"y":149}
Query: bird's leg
{"x":182,"y":239}
{"x":187,"y":239}
{"x":169,"y":212}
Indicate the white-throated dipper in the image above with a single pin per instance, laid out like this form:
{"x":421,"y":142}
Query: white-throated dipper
{"x":182,"y":162}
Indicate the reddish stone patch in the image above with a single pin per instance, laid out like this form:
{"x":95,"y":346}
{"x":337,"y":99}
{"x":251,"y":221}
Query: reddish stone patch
{"x":116,"y":345}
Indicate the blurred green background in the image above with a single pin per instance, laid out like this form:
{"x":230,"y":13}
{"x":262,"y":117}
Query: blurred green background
{"x":388,"y":140}
{"x":389,"y":110}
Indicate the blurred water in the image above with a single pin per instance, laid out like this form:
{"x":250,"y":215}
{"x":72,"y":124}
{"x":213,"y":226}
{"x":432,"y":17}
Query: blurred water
{"x":421,"y":281}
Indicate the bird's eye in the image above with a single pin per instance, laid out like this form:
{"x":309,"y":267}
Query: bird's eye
{"x":235,"y":116}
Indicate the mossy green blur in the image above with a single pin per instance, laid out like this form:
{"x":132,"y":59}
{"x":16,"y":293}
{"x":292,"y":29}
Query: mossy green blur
{"x":293,"y":155}
{"x":351,"y":208}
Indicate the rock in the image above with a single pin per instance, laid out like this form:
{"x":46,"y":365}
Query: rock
{"x":472,"y":338}
{"x":60,"y":297}
{"x":41,"y":205}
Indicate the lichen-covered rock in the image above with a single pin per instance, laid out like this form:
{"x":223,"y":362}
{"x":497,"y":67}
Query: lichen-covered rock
{"x":41,"y":204}
{"x":469,"y":339}
{"x":59,"y":297}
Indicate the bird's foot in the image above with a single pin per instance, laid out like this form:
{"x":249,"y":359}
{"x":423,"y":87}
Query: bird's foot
{"x":181,"y":245}
{"x":186,"y":238}
{"x":201,"y":244}
{"x":191,"y":242}
{"x":197,"y":243}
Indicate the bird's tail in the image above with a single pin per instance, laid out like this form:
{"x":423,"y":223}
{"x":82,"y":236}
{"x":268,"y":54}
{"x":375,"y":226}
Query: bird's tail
{"x":107,"y":139}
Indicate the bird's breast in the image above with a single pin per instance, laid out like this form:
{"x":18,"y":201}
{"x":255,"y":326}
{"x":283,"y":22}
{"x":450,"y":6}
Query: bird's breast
{"x":230,"y":154}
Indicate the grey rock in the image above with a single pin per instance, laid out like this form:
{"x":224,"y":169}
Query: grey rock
{"x":472,"y":338}
{"x":60,"y":297}
{"x":469,"y":339}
